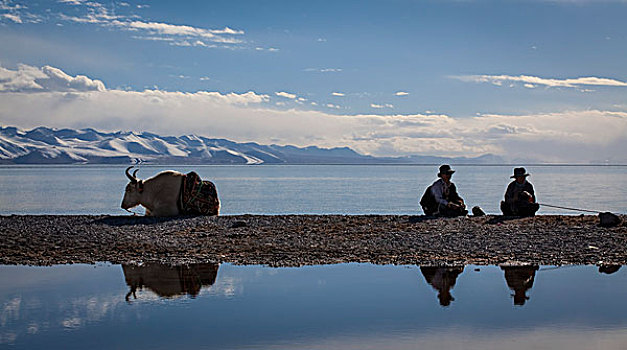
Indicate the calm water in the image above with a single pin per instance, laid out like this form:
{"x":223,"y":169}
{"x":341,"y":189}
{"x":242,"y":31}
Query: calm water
{"x":311,"y":189}
{"x":346,"y":306}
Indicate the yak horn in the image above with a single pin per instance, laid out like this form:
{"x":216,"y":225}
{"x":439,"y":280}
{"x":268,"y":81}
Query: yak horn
{"x":131,"y":177}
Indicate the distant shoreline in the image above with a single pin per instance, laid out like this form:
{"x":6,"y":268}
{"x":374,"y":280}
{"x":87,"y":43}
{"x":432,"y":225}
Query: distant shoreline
{"x":296,"y":240}
{"x":309,"y":164}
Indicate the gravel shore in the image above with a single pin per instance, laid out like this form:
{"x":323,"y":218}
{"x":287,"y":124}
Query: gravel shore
{"x":296,"y":240}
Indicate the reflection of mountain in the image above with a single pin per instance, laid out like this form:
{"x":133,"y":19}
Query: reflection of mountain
{"x":520,"y":280}
{"x":169,"y":281}
{"x":65,"y":146}
{"x":443,"y":280}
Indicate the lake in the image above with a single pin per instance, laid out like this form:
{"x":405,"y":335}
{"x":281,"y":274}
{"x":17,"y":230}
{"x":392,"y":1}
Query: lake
{"x":311,"y":189}
{"x":344,"y":306}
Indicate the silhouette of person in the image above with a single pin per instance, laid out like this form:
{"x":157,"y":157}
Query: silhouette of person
{"x":441,"y":198}
{"x":520,"y":280}
{"x":609,"y":269}
{"x":443,"y":280}
{"x":520,"y":197}
{"x":169,"y":281}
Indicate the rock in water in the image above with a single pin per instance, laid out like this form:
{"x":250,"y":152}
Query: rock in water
{"x":477,"y":211}
{"x":609,"y":220}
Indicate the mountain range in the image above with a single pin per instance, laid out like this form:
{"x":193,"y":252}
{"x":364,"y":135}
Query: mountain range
{"x":44,"y":145}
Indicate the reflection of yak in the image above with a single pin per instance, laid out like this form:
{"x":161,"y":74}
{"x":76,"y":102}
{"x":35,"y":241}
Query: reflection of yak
{"x":520,"y":280}
{"x":169,"y":281}
{"x":443,"y":280}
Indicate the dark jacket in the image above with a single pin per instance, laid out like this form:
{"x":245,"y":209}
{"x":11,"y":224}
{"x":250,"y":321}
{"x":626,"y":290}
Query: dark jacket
{"x":430,"y":205}
{"x":512,"y":194}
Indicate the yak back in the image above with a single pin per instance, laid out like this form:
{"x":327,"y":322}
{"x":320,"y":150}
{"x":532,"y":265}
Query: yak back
{"x":198,"y":197}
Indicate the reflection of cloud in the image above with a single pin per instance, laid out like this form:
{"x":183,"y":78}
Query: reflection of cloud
{"x":10,"y":311}
{"x":225,"y":286}
{"x":7,"y":337}
{"x":463,"y":337}
{"x":531,"y":81}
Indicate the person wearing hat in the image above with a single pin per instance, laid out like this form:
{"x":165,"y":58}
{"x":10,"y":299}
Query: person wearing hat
{"x":520,"y":198}
{"x":441,"y":198}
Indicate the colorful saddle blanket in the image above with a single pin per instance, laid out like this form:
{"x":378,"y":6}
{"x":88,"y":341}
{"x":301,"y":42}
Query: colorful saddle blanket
{"x":198,"y":197}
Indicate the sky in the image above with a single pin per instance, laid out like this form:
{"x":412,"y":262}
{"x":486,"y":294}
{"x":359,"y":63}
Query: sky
{"x":534,"y":80}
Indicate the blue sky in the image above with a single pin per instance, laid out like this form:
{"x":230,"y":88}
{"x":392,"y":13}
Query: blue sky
{"x":528,"y":80}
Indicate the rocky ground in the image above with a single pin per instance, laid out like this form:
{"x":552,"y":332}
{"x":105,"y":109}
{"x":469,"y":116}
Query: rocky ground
{"x":295,"y":240}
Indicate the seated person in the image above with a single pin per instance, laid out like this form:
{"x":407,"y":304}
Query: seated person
{"x":520,"y":198}
{"x":441,"y":198}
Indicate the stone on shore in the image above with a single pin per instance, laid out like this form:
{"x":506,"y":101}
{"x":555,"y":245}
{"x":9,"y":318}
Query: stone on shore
{"x":295,"y":240}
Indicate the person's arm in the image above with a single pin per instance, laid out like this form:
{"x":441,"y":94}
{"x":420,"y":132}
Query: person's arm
{"x":529,"y":188}
{"x":436,"y":190}
{"x":456,"y":197}
{"x":509,"y":193}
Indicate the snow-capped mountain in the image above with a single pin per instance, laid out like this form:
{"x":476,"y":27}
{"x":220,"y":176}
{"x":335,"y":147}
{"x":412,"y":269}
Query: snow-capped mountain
{"x":61,"y":146}
{"x":65,"y":146}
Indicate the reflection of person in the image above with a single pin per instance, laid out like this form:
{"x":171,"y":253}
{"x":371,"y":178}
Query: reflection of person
{"x":609,"y":269}
{"x":441,"y":198}
{"x":443,"y":280}
{"x":520,"y":198}
{"x":520,"y":280}
{"x":169,"y":281}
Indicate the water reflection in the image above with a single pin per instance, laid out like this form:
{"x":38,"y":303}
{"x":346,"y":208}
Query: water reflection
{"x":169,"y":281}
{"x":520,"y":280}
{"x":609,"y":269}
{"x":443,"y":280}
{"x":343,"y":306}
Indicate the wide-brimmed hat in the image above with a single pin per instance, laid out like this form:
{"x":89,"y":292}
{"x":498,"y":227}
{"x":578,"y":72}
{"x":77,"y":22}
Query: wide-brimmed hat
{"x":519,"y":172}
{"x":446,"y":169}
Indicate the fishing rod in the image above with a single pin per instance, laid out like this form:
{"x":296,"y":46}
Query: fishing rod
{"x":567,"y":208}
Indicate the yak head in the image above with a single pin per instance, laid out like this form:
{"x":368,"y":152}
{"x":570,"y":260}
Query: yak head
{"x":133,"y":191}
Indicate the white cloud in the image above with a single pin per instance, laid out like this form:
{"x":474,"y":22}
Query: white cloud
{"x":339,"y":94}
{"x":401,"y":93}
{"x":72,"y":2}
{"x":33,"y":79}
{"x":568,"y":136}
{"x":14,"y":18}
{"x":286,"y":95}
{"x":169,"y":29}
{"x":98,"y":14}
{"x":227,"y":30}
{"x":387,"y":105}
{"x":526,"y":79}
{"x":323,"y":70}
{"x":270,"y":49}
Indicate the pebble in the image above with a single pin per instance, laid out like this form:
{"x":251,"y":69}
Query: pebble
{"x":297,"y":240}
